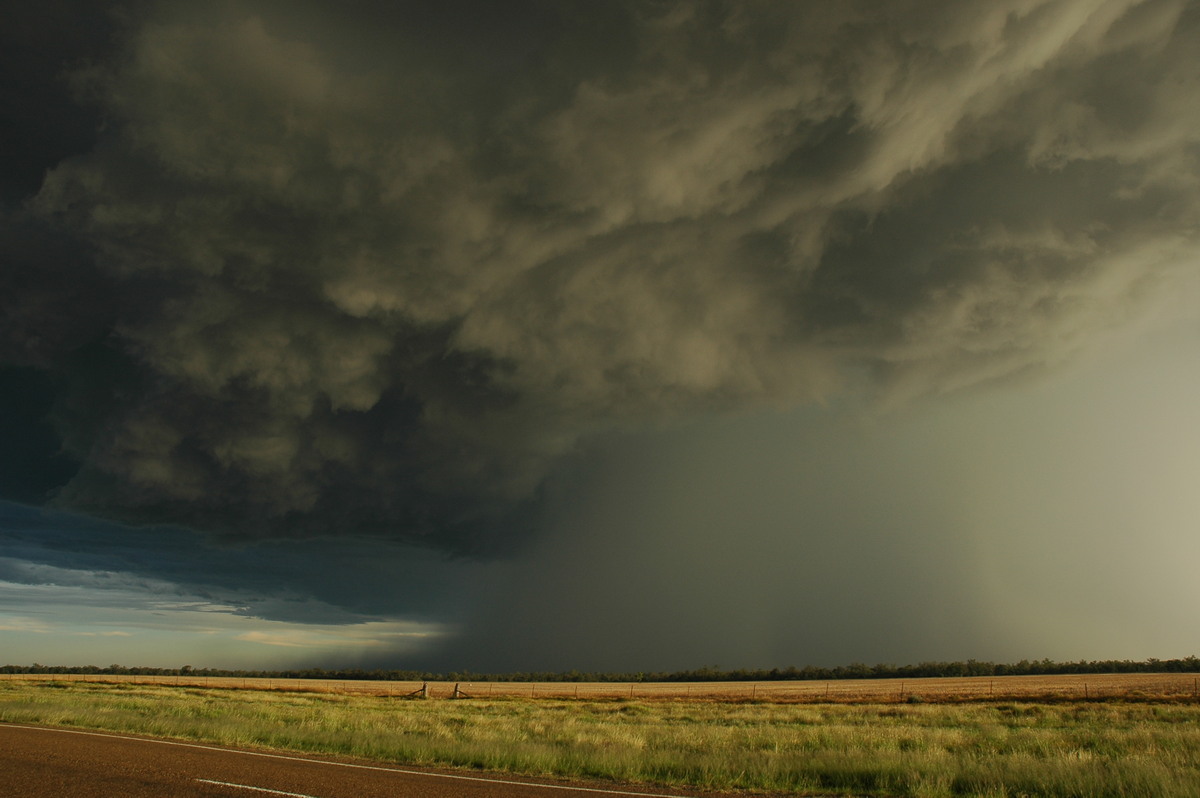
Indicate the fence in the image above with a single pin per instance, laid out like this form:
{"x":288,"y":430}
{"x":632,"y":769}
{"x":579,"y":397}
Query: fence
{"x":1142,"y":686}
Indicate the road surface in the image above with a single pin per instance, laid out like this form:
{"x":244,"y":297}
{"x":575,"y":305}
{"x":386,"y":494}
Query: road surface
{"x":42,"y":762}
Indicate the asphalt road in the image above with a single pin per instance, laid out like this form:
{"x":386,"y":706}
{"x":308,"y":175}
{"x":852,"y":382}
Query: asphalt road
{"x":40,"y":762}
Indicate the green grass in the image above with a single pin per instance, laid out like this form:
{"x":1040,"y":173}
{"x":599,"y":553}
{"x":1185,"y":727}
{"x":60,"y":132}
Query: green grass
{"x":1015,"y":749}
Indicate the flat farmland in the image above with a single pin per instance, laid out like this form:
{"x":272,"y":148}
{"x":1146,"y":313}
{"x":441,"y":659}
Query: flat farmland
{"x":1134,"y":736}
{"x":940,"y":689}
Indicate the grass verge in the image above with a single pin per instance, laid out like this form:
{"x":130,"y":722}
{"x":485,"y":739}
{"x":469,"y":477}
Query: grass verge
{"x":926,"y":750}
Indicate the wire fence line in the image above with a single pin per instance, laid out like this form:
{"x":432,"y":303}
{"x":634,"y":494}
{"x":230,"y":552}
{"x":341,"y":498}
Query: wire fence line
{"x":1142,"y":686}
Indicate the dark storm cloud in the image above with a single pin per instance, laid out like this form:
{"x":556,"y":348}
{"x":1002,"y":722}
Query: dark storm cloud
{"x":340,"y":270}
{"x":358,"y":580}
{"x":40,"y":123}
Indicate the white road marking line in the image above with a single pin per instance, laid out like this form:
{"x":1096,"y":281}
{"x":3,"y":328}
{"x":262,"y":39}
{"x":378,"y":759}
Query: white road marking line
{"x":256,"y":789}
{"x":564,"y":787}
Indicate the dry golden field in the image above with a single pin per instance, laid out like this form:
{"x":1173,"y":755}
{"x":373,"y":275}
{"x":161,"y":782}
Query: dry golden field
{"x":1016,"y":737}
{"x":979,"y":688}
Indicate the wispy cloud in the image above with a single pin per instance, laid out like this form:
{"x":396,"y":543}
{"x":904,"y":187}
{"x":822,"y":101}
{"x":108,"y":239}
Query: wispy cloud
{"x":359,"y":636}
{"x":131,"y":627}
{"x":18,"y":624}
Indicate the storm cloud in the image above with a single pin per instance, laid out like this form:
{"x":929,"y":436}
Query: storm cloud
{"x":646,"y":334}
{"x":317,"y":275}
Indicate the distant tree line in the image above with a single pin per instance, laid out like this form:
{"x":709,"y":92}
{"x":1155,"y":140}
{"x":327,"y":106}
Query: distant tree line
{"x":709,"y":674}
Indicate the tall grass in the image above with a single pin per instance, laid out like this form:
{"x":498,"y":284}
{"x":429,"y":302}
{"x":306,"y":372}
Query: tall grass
{"x":993,"y":750}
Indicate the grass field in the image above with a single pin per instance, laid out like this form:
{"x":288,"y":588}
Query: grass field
{"x":1069,"y":687}
{"x":1059,"y":747}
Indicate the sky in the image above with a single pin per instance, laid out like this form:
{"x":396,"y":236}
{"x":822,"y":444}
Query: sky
{"x":630,"y":336}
